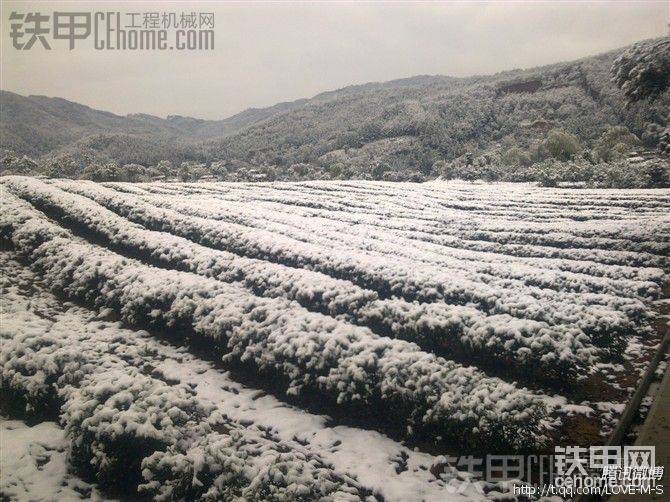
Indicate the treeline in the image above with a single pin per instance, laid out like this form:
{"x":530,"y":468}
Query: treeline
{"x":560,"y":157}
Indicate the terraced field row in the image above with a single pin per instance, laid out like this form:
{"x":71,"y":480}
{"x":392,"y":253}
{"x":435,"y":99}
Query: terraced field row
{"x":450,"y":315}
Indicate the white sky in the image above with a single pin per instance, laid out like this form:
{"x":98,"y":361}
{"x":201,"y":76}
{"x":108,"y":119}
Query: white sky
{"x":271,"y":52}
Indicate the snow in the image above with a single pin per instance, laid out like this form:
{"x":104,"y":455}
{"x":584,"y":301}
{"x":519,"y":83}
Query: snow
{"x":375,"y":296}
{"x":341,"y":446}
{"x":541,"y":339}
{"x":315,"y":353}
{"x":33,"y":463}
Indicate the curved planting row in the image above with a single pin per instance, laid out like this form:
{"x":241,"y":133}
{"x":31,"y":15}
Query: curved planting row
{"x":534,"y":345}
{"x":555,"y":236}
{"x":125,"y":426}
{"x":419,"y":205}
{"x":413,"y":283}
{"x":427,"y":205}
{"x":310,"y":352}
{"x":645,"y":247}
{"x":428,"y":218}
{"x":427,"y":249}
{"x":437,"y":232}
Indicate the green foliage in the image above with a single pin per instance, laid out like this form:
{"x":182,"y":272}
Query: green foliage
{"x":10,"y":163}
{"x":111,"y":171}
{"x":380,"y":170}
{"x":63,"y":167}
{"x":618,"y":174}
{"x":664,"y":142}
{"x":562,"y":145}
{"x":515,"y":156}
{"x":550,"y":172}
{"x":191,"y":171}
{"x":166,"y":168}
{"x":133,"y":173}
{"x":102,"y":172}
{"x":615,"y":143}
{"x":643,"y":71}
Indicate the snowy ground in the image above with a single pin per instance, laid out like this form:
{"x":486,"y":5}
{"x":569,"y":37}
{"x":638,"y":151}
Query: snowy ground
{"x":34,"y":458}
{"x":33,"y":462}
{"x":315,"y":340}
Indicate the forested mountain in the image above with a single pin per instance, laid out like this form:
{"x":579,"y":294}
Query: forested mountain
{"x":414,"y":127}
{"x":417,"y":122}
{"x":35,"y":125}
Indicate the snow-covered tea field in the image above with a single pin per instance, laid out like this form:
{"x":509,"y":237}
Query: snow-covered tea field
{"x":317,"y":340}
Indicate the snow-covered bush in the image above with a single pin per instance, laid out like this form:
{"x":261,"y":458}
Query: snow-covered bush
{"x":236,"y":466}
{"x":311,"y":352}
{"x":126,"y":427}
{"x":559,"y":350}
{"x":643,"y":70}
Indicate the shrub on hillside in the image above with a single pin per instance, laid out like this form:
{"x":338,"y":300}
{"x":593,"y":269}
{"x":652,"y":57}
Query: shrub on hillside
{"x":10,"y":163}
{"x":561,"y":145}
{"x":615,"y":143}
{"x":102,"y":172}
{"x":617,"y":174}
{"x":643,"y":71}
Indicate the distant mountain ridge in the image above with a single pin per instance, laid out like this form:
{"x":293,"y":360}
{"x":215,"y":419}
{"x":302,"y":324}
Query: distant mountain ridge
{"x":405,"y":125}
{"x":35,"y":125}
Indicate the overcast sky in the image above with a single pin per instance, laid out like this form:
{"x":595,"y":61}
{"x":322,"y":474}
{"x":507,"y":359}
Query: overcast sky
{"x":271,"y":52}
